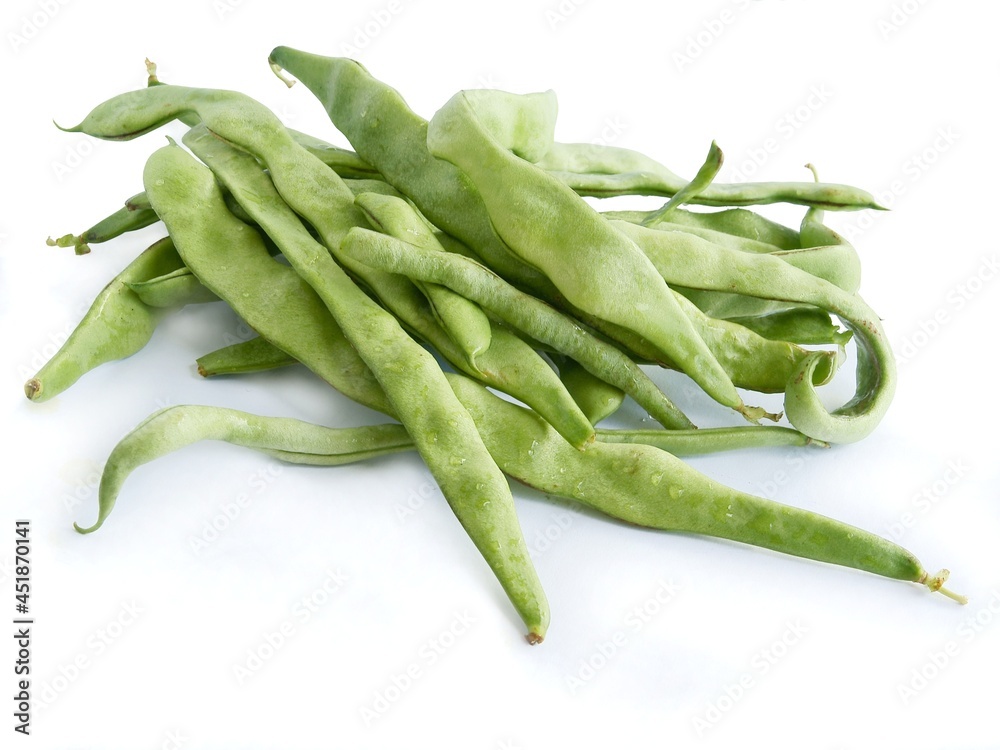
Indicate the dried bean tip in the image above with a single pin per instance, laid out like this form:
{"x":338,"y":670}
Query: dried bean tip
{"x":534,"y":639}
{"x":33,"y":389}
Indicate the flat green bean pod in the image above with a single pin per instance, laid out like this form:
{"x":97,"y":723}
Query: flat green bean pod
{"x":117,"y":325}
{"x":252,"y":355}
{"x":597,"y":398}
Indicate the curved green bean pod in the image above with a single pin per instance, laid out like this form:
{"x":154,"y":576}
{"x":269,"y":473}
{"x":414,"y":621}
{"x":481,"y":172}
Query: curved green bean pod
{"x":176,"y":427}
{"x":595,"y":267}
{"x":135,"y":214}
{"x":117,"y":325}
{"x":701,"y":180}
{"x":690,"y":261}
{"x":604,"y":171}
{"x":650,"y":487}
{"x":752,"y":361}
{"x":387,"y":134}
{"x":521,"y":311}
{"x":252,"y":355}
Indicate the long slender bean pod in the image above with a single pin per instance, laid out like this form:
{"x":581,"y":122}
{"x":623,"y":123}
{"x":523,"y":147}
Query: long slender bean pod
{"x":291,"y":440}
{"x":650,"y":487}
{"x":604,"y":171}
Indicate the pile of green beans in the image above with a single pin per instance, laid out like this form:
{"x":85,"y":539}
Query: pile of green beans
{"x":466,"y":239}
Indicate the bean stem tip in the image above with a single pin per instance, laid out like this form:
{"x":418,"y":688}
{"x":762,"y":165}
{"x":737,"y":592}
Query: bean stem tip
{"x":936,"y":583}
{"x":280,"y":73}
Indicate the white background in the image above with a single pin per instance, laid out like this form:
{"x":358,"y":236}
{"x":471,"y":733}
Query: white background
{"x":906,"y":103}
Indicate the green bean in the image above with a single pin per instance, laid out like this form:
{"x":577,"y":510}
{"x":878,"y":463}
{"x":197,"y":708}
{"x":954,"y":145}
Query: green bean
{"x":595,"y":267}
{"x":704,"y":177}
{"x":690,"y":261}
{"x":752,"y":361}
{"x":605,"y":171}
{"x":117,"y":325}
{"x":465,"y":322}
{"x":344,"y":162}
{"x":252,"y":355}
{"x":292,"y":440}
{"x":735,"y":222}
{"x":797,"y":325}
{"x":178,"y":287}
{"x":387,"y":134}
{"x":521,"y":311}
{"x":597,"y":398}
{"x":649,"y":487}
{"x":135,"y":214}
{"x":711,"y":439}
